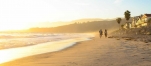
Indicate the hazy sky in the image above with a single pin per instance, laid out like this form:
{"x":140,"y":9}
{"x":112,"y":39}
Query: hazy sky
{"x":17,"y":14}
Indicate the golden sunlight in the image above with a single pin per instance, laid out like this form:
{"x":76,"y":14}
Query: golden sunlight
{"x":13,"y":26}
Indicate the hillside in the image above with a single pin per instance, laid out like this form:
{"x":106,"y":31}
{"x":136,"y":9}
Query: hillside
{"x":61,"y":23}
{"x":82,"y":25}
{"x":79,"y":27}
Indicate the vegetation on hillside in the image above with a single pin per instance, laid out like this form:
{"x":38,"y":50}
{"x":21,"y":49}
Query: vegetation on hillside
{"x":119,"y":21}
{"x":78,"y":27}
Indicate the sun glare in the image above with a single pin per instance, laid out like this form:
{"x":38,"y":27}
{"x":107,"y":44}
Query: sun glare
{"x":13,"y":26}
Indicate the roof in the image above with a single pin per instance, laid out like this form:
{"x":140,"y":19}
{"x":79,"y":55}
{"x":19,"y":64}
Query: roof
{"x":137,"y":18}
{"x":148,"y":15}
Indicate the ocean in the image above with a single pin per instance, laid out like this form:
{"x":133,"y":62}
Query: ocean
{"x":18,"y":45}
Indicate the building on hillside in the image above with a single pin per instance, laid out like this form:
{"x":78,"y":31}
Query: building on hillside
{"x":145,"y":19}
{"x":127,"y":25}
{"x":138,"y":21}
{"x":134,"y":21}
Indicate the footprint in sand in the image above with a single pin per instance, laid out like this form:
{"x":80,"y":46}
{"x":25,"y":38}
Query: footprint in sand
{"x":134,"y":55}
{"x":142,"y":58}
{"x":120,"y":48}
{"x":73,"y":63}
{"x":143,"y":53}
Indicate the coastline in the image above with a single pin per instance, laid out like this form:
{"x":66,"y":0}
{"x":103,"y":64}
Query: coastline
{"x":20,"y":52}
{"x":8,"y":41}
{"x":95,"y":52}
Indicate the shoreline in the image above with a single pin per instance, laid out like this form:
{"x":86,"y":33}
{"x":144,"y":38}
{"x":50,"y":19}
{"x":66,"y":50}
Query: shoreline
{"x":21,"y":52}
{"x":31,"y":39}
{"x":95,"y":52}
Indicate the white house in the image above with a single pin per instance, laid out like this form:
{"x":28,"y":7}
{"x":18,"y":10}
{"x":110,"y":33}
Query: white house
{"x":135,"y":21}
{"x":145,"y":19}
{"x":138,"y":21}
{"x":127,"y":25}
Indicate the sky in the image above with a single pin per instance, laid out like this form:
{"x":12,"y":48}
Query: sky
{"x":22,"y":14}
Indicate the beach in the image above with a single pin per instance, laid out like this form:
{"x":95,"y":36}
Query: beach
{"x":96,"y":52}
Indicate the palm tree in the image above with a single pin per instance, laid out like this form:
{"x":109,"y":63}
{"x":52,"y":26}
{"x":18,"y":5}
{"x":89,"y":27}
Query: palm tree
{"x":119,"y":21}
{"x":127,"y":16}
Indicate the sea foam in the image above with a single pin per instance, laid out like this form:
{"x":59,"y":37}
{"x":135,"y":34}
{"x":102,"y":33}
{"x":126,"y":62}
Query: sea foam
{"x":50,"y":46}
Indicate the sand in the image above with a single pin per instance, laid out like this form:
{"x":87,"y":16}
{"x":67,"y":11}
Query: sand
{"x":95,"y":52}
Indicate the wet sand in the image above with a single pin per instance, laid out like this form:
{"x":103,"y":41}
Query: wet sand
{"x":95,"y":52}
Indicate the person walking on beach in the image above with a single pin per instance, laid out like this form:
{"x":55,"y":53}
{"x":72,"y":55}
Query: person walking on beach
{"x":105,"y":32}
{"x":101,"y":33}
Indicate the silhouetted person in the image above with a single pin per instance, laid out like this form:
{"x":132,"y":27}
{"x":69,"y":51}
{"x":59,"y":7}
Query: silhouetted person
{"x":105,"y":33}
{"x":101,"y":33}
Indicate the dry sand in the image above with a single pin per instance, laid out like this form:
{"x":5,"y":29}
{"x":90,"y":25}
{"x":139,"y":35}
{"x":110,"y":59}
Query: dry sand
{"x":96,"y":52}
